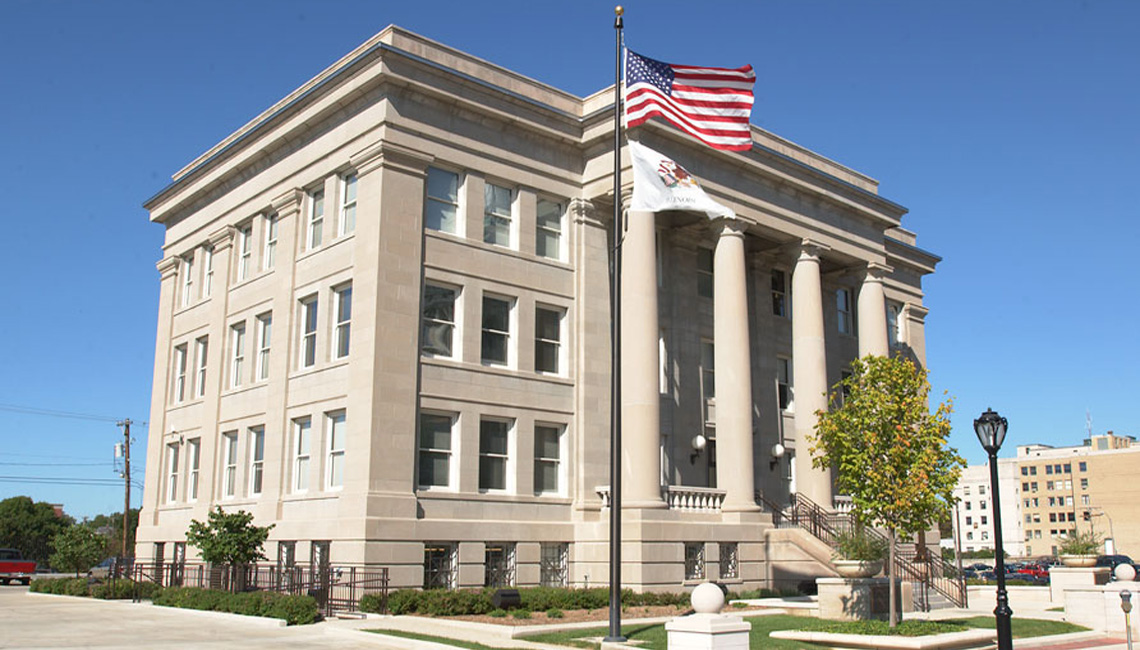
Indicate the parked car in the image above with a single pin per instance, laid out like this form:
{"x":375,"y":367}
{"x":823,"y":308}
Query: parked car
{"x":106,"y":567}
{"x":1111,"y":561}
{"x":981,"y":566}
{"x":988,"y":576}
{"x":14,"y":568}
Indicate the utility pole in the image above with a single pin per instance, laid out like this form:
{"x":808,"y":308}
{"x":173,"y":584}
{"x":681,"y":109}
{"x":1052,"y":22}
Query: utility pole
{"x":126,"y":424}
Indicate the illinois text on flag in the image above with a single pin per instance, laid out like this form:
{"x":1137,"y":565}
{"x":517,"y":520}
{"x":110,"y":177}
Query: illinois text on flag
{"x":659,"y":183}
{"x":712,"y":104}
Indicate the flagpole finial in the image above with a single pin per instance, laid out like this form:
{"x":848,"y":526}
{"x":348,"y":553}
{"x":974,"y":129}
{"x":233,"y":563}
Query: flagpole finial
{"x":619,"y":10}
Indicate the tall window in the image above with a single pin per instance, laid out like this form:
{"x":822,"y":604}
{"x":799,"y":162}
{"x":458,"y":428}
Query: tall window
{"x":171,"y":472}
{"x":347,"y":222}
{"x":201,"y":348}
{"x":494,"y":441}
{"x":779,"y":293}
{"x":207,"y":271}
{"x":498,"y":564}
{"x":179,"y":373}
{"x":335,"y":464}
{"x":438,"y":320}
{"x":694,"y":561}
{"x":547,"y":458}
{"x":264,"y":339}
{"x":256,"y":459}
{"x":245,"y":251}
{"x":308,"y":331}
{"x":229,"y":466}
{"x":708,"y":369}
{"x":893,"y":325}
{"x":316,"y":219}
{"x":269,"y":255}
{"x":843,"y":311}
{"x":496,"y":330}
{"x":784,"y":383}
{"x":435,"y":450}
{"x":194,"y":448}
{"x":729,"y":564}
{"x":547,"y":339}
{"x":705,"y":272}
{"x":497,"y":215}
{"x":548,"y":230}
{"x":187,"y":279}
{"x":554,"y":565}
{"x":442,"y":200}
{"x":343,"y":305}
{"x":440,"y":563}
{"x":302,"y":438}
{"x":237,"y":353}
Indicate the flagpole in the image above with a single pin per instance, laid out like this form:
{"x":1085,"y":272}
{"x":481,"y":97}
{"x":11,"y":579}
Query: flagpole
{"x":615,"y":361}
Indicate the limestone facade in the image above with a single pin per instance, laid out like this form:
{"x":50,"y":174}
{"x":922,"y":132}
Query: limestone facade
{"x":384,"y":327}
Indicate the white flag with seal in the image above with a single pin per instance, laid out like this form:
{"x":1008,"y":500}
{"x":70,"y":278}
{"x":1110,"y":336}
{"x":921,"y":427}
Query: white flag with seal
{"x":659,"y":183}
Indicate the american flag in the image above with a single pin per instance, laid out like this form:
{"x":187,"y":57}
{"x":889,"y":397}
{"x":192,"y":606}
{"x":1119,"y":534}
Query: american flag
{"x":712,"y":104}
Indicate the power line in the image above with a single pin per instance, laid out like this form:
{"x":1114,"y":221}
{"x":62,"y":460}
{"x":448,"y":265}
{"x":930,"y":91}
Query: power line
{"x":43,"y":480}
{"x":32,"y":410}
{"x":103,"y":463}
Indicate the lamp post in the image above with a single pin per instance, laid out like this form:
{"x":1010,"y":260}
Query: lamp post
{"x":990,"y":428}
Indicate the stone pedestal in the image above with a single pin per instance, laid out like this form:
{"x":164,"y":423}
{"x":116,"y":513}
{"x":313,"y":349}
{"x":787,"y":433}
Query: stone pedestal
{"x":857,"y":599}
{"x":708,"y":629}
{"x":1099,"y":608}
{"x":1062,"y":579}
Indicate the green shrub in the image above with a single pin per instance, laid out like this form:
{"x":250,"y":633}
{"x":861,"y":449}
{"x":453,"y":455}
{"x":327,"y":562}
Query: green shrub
{"x":859,"y":545}
{"x":374,"y":603}
{"x":520,"y":613}
{"x":553,"y":613}
{"x":295,"y":610}
{"x":498,"y":613}
{"x":1080,"y":543}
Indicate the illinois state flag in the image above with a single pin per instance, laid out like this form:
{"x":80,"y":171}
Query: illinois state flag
{"x":712,"y":104}
{"x":659,"y":183}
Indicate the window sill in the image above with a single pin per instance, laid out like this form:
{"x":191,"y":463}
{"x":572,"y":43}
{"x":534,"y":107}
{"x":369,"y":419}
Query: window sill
{"x":502,"y":497}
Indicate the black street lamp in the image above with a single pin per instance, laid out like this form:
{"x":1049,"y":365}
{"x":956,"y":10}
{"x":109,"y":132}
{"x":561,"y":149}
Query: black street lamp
{"x":991,"y":428}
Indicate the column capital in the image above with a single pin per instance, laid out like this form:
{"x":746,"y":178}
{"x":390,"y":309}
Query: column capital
{"x":585,"y":212}
{"x":168,"y":266}
{"x":388,"y":154}
{"x":222,"y":238}
{"x":728,"y":226}
{"x":810,"y":249}
{"x":288,"y":202}
{"x":876,"y":271}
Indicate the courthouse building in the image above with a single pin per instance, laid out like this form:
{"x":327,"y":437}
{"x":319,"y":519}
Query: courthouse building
{"x":384,"y":327}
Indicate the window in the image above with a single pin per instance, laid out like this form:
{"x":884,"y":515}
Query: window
{"x":494,"y":441}
{"x":843,"y":311}
{"x":969,"y":521}
{"x":1085,"y":500}
{"x":195,"y":451}
{"x":981,"y":505}
{"x":435,"y":450}
{"x":335,"y":464}
{"x":1068,"y":484}
{"x":708,"y":370}
{"x":347,"y":222}
{"x":1033,"y":486}
{"x":969,"y":505}
{"x":1052,"y":501}
{"x":439,"y":565}
{"x":497,"y":215}
{"x":237,"y":353}
{"x":201,"y":348}
{"x":547,"y":458}
{"x":779,"y":293}
{"x":893,"y":325}
{"x":1057,"y":468}
{"x":499,"y":564}
{"x":1048,"y":469}
{"x":179,"y":373}
{"x":438,"y":320}
{"x":229,"y":466}
{"x":548,"y":230}
{"x":302,"y":438}
{"x":1082,"y":466}
{"x":269,"y":255}
{"x":547,"y":339}
{"x":496,"y":330}
{"x":1048,"y":485}
{"x":245,"y":251}
{"x":1033,"y":471}
{"x":342,"y":301}
{"x":694,"y":561}
{"x":1068,"y":468}
{"x":729,"y":564}
{"x":784,"y":391}
{"x":264,"y":340}
{"x":1025,"y":471}
{"x":1084,"y":484}
{"x":442,"y":200}
{"x":705,"y":272}
{"x":981,"y":490}
{"x":316,"y":219}
{"x":308,"y":331}
{"x":1025,"y":487}
{"x":554,"y":565}
{"x":966,"y":490}
{"x":207,"y":271}
{"x":256,"y":459}
{"x":970,"y":535}
{"x":985,"y":520}
{"x":1053,"y":517}
{"x":985,"y":535}
{"x":187,"y":279}
{"x":171,"y":472}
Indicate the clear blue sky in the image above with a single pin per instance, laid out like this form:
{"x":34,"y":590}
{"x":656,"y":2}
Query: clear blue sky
{"x":1008,"y":128}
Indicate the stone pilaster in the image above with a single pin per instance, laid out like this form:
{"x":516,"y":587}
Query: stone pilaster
{"x":872,"y":312}
{"x":809,"y":372}
{"x":160,"y":392}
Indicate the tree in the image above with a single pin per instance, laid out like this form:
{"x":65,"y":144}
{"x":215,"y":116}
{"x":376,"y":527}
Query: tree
{"x":77,"y":548}
{"x":228,"y":538}
{"x":111,"y":527}
{"x":889,"y":451}
{"x":29,"y":526}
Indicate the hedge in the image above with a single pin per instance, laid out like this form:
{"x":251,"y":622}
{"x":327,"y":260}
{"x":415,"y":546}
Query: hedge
{"x":461,"y":602}
{"x":117,"y":590}
{"x":295,"y":610}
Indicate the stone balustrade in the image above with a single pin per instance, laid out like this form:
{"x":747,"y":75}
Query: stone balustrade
{"x":679,"y":497}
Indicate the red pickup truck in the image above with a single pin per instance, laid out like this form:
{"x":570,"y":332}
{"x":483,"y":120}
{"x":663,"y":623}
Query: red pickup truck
{"x":14,"y":568}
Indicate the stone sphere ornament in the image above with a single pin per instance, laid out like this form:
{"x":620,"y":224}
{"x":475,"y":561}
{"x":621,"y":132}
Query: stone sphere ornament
{"x":1124,"y":572}
{"x":707,"y":598}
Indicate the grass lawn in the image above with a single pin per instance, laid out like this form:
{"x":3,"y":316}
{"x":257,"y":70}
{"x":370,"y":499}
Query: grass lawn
{"x":1023,"y":627}
{"x":435,"y":639}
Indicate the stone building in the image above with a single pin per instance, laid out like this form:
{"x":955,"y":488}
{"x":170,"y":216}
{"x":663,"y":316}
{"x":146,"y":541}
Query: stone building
{"x":384,"y":327}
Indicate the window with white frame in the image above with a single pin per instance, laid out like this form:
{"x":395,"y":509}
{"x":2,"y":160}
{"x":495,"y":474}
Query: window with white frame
{"x":494,"y":454}
{"x":201,"y":349}
{"x":335,"y":464}
{"x":308,"y":331}
{"x":347,"y":221}
{"x":316,"y":220}
{"x":264,"y":340}
{"x":708,"y":369}
{"x":237,"y":354}
{"x":194,"y":460}
{"x":342,"y":304}
{"x":302,"y":439}
{"x":843,"y":311}
{"x":172,"y":472}
{"x":229,"y":464}
{"x":269,"y":254}
{"x":207,"y":271}
{"x":784,"y":391}
{"x":547,"y":339}
{"x":187,"y":279}
{"x":435,"y":449}
{"x":547,"y":458}
{"x":893,"y":324}
{"x":705,"y":272}
{"x":548,"y":229}
{"x":256,"y":459}
{"x":442,"y":204}
{"x":779,"y":285}
{"x":245,"y":251}
{"x":496,"y":330}
{"x":497,"y":202}
{"x":438,"y":326}
{"x":179,"y":373}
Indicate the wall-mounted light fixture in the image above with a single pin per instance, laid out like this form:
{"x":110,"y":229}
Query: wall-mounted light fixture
{"x":699,"y":443}
{"x":778,"y":452}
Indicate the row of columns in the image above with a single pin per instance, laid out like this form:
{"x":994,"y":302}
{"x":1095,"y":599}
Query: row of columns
{"x":641,"y":428}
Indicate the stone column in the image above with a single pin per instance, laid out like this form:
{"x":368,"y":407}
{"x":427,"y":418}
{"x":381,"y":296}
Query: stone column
{"x":640,"y":400}
{"x":733,"y":364}
{"x":809,"y":369}
{"x":872,"y":312}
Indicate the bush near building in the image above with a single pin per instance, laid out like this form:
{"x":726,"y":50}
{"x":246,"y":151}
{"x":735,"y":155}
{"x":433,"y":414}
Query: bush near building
{"x":294,"y":610}
{"x":117,"y":590}
{"x":468,"y":602}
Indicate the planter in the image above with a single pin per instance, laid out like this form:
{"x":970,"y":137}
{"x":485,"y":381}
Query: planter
{"x":858,"y":568}
{"x":1081,"y":561}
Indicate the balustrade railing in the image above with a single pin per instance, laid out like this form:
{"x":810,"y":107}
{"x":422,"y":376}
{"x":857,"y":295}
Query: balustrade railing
{"x":679,"y":497}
